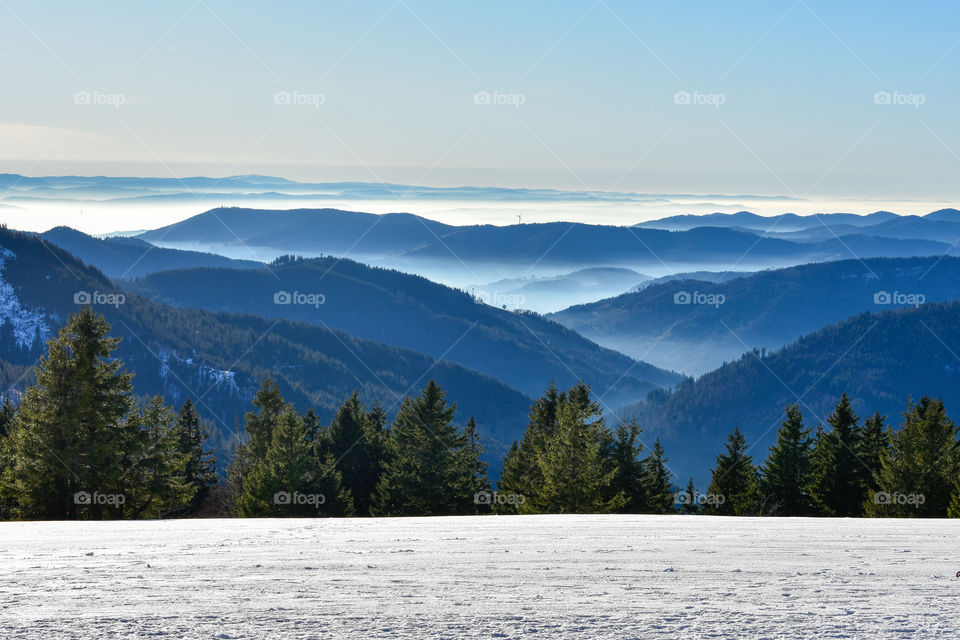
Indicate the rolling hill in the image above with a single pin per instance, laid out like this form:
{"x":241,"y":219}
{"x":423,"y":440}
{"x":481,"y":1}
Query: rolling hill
{"x":767,"y":309}
{"x":524,"y":350}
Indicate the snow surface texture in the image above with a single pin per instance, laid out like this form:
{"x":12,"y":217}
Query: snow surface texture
{"x":482,"y":577}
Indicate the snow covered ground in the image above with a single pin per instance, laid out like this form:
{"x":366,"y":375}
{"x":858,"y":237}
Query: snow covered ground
{"x":483,"y":577}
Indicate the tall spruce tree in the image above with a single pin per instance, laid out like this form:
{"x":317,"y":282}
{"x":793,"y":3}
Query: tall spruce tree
{"x":356,"y":444}
{"x":874,"y":447}
{"x":785,"y":475}
{"x":575,"y":476}
{"x":629,"y":477}
{"x":200,"y":470}
{"x":918,"y":476}
{"x":425,"y":472}
{"x":733,"y":486}
{"x":472,"y":454}
{"x":259,"y":424}
{"x":658,"y":481}
{"x":840,"y":478}
{"x":690,"y":504}
{"x":289,"y":481}
{"x":72,"y":437}
{"x":7,"y":497}
{"x":155,"y":484}
{"x":521,"y":474}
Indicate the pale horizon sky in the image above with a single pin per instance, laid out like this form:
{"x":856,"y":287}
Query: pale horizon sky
{"x":825,"y":102}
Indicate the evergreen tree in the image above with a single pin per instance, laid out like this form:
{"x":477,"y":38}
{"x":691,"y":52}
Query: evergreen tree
{"x":629,"y":477}
{"x":356,"y":445}
{"x":575,"y":479}
{"x":71,"y":436}
{"x":658,"y":481}
{"x":786,"y":471}
{"x":521,"y":474}
{"x":874,"y":447}
{"x":733,"y":486}
{"x":953,"y":511}
{"x":918,"y":476}
{"x":7,"y":497}
{"x":290,"y":481}
{"x":690,"y":504}
{"x":840,"y":478}
{"x":155,"y":484}
{"x":200,"y":470}
{"x":425,"y":472}
{"x":259,"y":425}
{"x":472,"y":453}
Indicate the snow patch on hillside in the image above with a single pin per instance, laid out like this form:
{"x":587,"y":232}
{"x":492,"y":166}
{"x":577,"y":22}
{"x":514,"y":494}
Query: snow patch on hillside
{"x":27,"y":325}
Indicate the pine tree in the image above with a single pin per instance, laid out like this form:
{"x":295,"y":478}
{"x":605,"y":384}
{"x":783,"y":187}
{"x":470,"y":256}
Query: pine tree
{"x":7,"y":497}
{"x":690,"y":501}
{"x":658,"y":481}
{"x":289,"y":481}
{"x":786,"y":471}
{"x":629,"y":477}
{"x":575,"y":479}
{"x":71,"y":436}
{"x":472,"y":453}
{"x":840,"y":479}
{"x":733,"y":486}
{"x":425,"y":472}
{"x":918,"y":476}
{"x":155,"y":484}
{"x":953,"y":511}
{"x":874,"y":446}
{"x":200,"y":470}
{"x":521,"y":474}
{"x":356,"y":445}
{"x":260,"y":423}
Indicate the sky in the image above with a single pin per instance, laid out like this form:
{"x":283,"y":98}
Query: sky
{"x":849,"y":102}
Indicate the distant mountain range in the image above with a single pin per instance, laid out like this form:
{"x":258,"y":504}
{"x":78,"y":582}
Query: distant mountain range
{"x":524,"y":350}
{"x":219,"y":359}
{"x":129,"y":257}
{"x":466,"y":255}
{"x":544,"y":294}
{"x":767,"y":309}
{"x":880,"y":359}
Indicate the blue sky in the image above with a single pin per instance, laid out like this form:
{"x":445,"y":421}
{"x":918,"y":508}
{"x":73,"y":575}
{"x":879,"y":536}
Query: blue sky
{"x":782,"y":94}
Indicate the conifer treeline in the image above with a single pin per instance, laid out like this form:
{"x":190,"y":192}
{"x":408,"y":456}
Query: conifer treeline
{"x":79,"y":447}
